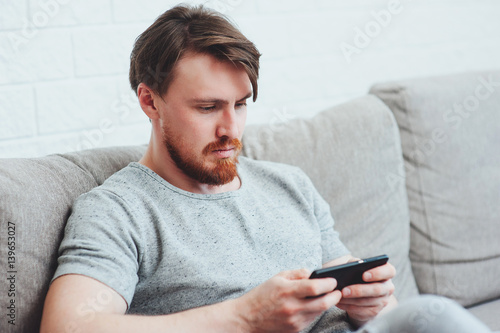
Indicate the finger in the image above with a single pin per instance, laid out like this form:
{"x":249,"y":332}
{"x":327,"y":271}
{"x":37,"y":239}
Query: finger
{"x":314,"y":287}
{"x":360,"y":313}
{"x":296,"y":274}
{"x":380,"y":273}
{"x":375,"y":289}
{"x":365,"y":301}
{"x":323,"y":303}
{"x":353,"y":259}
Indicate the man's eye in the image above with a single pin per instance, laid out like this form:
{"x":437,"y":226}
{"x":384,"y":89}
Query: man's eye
{"x":240,"y":105}
{"x":207,"y":108}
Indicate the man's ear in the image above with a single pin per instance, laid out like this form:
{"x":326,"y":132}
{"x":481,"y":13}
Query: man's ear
{"x":147,"y":101}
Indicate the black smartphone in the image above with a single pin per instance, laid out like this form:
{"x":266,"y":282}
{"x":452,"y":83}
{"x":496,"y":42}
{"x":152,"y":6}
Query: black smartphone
{"x":350,"y":273}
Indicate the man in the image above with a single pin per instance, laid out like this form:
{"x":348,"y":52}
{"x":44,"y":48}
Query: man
{"x":192,"y":238}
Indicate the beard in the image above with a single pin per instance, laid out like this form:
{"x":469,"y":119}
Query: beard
{"x":224,"y":170}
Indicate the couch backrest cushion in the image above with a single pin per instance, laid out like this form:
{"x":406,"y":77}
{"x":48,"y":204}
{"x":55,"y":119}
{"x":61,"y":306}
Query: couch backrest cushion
{"x":35,"y":201}
{"x":450,"y":131}
{"x":348,"y":151}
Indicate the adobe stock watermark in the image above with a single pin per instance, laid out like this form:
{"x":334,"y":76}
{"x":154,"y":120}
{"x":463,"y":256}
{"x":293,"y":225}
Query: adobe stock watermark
{"x":453,"y":117}
{"x":95,"y":137}
{"x":88,"y":310}
{"x":277,"y":123}
{"x":40,"y":19}
{"x":371,"y":30}
{"x":428,"y":314}
{"x":224,"y":6}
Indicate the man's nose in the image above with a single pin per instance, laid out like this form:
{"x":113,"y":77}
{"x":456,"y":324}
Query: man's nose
{"x":228,"y":124}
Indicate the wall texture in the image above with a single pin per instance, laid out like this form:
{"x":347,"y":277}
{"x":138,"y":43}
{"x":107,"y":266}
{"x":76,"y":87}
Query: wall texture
{"x":64,"y":63}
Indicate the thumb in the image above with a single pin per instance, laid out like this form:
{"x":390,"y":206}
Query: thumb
{"x":296,"y":274}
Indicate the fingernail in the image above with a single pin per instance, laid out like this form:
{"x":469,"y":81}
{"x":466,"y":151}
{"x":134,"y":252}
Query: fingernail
{"x":368,"y":276}
{"x":346,"y":291}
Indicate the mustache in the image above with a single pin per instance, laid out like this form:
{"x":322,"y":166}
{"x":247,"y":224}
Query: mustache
{"x":223,"y":144}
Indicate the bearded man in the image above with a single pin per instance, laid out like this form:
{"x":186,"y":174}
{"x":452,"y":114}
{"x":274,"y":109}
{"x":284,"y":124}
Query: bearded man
{"x":192,"y":238}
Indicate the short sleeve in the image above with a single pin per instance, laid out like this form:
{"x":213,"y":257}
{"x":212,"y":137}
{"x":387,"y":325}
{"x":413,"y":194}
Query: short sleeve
{"x":100,"y":242}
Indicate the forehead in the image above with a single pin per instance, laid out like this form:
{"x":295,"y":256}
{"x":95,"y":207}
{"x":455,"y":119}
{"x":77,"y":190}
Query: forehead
{"x":202,"y":75}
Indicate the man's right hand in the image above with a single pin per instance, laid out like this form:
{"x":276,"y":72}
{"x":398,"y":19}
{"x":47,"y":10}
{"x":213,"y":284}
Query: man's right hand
{"x":281,"y":303}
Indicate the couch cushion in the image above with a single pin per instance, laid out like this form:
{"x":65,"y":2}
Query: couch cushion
{"x":450,"y":131}
{"x":35,"y":197}
{"x":488,"y":314}
{"x":347,"y":151}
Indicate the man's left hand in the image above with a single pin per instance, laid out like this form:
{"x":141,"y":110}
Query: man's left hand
{"x":363,"y":302}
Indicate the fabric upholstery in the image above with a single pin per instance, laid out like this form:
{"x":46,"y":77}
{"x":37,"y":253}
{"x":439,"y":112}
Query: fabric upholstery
{"x":488,"y":314}
{"x":348,"y":152}
{"x":450,"y":132}
{"x":36,"y":195}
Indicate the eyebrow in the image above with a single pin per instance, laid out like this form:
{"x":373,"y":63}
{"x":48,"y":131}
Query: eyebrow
{"x":217,"y":100}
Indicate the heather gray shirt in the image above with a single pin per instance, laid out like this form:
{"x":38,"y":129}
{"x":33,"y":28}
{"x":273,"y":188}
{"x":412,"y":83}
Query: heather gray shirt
{"x":167,"y":250}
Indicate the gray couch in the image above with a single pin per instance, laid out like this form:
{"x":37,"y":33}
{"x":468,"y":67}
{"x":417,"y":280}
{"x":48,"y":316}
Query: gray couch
{"x":411,"y":169}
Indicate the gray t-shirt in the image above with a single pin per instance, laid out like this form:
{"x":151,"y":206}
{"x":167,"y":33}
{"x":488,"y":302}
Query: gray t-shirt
{"x":167,"y":250}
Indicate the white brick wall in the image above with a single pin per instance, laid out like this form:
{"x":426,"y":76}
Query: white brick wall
{"x":64,"y":63}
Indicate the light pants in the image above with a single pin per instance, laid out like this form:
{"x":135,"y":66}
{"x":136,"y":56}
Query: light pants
{"x":426,"y":314}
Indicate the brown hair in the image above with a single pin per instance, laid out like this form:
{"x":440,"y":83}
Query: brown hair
{"x":188,"y":29}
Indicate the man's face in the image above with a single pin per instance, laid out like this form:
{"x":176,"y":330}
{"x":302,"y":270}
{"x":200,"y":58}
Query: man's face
{"x":203,"y":115}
